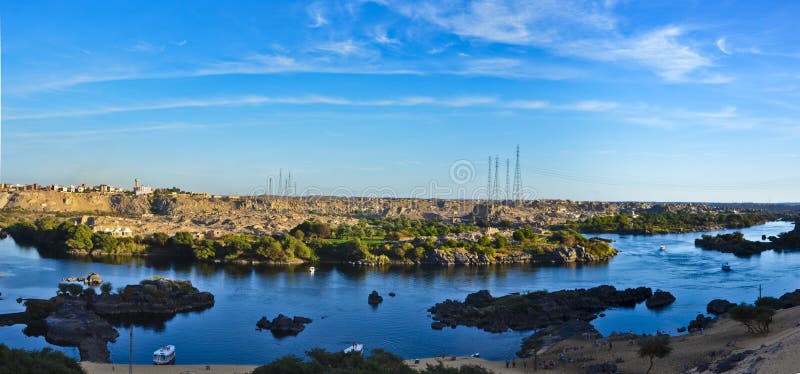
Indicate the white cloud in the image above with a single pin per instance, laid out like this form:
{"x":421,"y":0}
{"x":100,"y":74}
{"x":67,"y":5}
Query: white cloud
{"x":342,"y":48}
{"x":381,"y":37}
{"x":722,"y":45}
{"x":408,"y":101}
{"x":145,"y":47}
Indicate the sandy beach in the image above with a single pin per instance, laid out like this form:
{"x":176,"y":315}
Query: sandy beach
{"x":94,"y":368}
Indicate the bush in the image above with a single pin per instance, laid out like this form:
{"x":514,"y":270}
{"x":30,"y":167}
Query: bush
{"x":756,"y":318}
{"x":20,"y":361}
{"x":106,"y":288}
{"x":769,"y":302}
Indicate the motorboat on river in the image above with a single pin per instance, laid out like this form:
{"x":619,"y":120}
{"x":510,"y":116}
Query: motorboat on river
{"x":164,"y":355}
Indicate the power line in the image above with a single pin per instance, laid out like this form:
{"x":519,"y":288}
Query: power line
{"x":517,"y":179}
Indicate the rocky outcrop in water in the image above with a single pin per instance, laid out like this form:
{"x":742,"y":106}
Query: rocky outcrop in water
{"x":86,"y":321}
{"x":559,"y":255}
{"x":700,"y":322}
{"x":374,"y":298}
{"x":282,"y":325}
{"x":152,"y":299}
{"x":719,"y":306}
{"x":550,"y":335}
{"x":736,"y":243}
{"x":660,"y":299}
{"x":535,"y":310}
{"x":73,"y":325}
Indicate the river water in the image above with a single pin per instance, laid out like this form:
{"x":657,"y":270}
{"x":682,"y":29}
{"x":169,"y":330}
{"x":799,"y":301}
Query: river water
{"x":335,"y":297}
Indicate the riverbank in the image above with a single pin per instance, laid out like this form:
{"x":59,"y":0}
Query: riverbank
{"x":774,"y":352}
{"x":95,"y":368}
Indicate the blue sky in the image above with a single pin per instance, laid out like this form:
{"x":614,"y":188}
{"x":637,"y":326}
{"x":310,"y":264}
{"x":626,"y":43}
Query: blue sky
{"x":608,"y":100}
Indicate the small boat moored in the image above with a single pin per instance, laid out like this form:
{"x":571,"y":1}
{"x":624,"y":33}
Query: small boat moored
{"x":354,"y":348}
{"x":663,"y":247}
{"x":311,"y":269}
{"x":164,"y":355}
{"x":726,"y":267}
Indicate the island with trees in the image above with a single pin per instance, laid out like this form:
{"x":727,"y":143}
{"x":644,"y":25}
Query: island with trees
{"x":665,"y":222}
{"x":737,"y":244}
{"x":369,"y":242}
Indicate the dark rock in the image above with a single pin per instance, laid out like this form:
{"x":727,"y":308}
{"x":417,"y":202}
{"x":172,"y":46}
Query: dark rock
{"x":479,"y":299}
{"x":74,"y":326}
{"x":605,"y":368}
{"x":660,"y":299}
{"x":729,"y":363}
{"x":264,"y":323}
{"x":719,"y":306}
{"x":552,"y":334}
{"x":682,"y":329}
{"x":700,"y":322}
{"x":282,"y":325}
{"x":790,"y":299}
{"x":374,"y":298}
{"x":93,"y":279}
{"x":392,"y":294}
{"x":436,"y":325}
{"x":534,"y":310}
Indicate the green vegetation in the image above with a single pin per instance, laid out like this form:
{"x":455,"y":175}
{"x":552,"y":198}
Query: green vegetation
{"x":380,"y":361}
{"x":308,"y":242}
{"x":665,"y":222}
{"x":654,"y":347}
{"x":19,"y":361}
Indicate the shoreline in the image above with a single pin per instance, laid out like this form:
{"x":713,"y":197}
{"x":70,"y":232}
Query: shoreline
{"x":99,"y":368}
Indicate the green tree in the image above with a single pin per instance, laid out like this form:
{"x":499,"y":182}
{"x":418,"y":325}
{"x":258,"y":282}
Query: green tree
{"x":79,"y":237}
{"x":756,"y":318}
{"x":104,"y":242}
{"x":654,"y":347}
{"x":20,"y":361}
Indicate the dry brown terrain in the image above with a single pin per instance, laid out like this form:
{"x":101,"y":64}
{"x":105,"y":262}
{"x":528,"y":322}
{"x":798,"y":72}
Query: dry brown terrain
{"x":260,"y":215}
{"x":776,"y":352}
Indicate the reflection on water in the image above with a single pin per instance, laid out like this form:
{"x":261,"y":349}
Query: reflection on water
{"x":335,"y":297}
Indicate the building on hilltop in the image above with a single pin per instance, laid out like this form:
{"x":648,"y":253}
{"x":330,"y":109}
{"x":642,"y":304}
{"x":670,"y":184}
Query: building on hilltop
{"x":141,"y":190}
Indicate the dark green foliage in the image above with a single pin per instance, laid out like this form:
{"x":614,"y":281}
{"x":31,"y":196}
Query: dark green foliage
{"x":106,"y":288}
{"x":665,"y":222}
{"x":313,"y":229}
{"x":756,"y":318}
{"x":654,"y":347}
{"x":769,"y":302}
{"x":380,"y":361}
{"x":19,"y":361}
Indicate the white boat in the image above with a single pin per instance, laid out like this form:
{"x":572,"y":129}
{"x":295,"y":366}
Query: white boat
{"x":311,"y":269}
{"x":164,"y":355}
{"x":663,"y":248}
{"x":354,"y":348}
{"x":726,"y":267}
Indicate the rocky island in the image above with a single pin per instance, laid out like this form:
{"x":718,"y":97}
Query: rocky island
{"x":737,"y":244}
{"x":82,"y":318}
{"x":557,"y":315}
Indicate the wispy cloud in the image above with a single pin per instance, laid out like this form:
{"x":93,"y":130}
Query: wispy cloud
{"x":317,"y":18}
{"x":145,"y":47}
{"x":454,"y":102}
{"x":723,"y":47}
{"x":111,"y":131}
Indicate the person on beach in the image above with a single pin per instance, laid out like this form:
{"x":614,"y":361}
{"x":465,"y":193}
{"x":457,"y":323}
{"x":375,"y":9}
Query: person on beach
{"x":513,"y":362}
{"x":507,"y":363}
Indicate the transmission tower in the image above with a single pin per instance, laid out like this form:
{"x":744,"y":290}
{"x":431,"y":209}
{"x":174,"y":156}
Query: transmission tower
{"x":280,"y":181}
{"x":517,"y":179}
{"x":489,"y":182}
{"x":496,"y":175}
{"x":507,"y":191}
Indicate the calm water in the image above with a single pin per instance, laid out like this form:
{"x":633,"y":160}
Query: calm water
{"x":336,"y":298}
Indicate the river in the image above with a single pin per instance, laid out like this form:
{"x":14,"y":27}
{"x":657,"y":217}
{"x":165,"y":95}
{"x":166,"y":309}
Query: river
{"x":335,"y":297}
